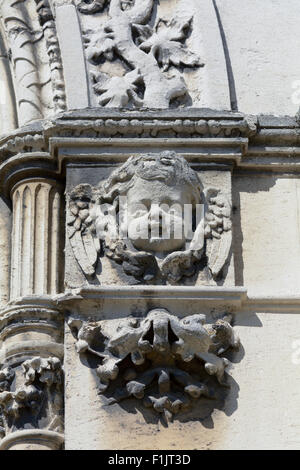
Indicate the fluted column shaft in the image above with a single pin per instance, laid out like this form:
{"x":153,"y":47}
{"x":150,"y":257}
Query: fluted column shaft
{"x":36,"y":239}
{"x":31,"y":325}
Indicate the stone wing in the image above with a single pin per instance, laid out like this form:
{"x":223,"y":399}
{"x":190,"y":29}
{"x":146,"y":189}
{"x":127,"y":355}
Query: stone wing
{"x":81,"y":228}
{"x":217,"y":230}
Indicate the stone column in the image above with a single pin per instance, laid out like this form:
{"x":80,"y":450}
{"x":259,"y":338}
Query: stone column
{"x":36,"y":241}
{"x":31,"y":326}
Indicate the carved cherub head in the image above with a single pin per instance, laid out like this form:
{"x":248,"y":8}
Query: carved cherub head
{"x":143,"y":216}
{"x":155,"y":190}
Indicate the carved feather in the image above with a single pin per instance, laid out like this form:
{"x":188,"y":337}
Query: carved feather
{"x":81,"y":255}
{"x":217,"y":229}
{"x":90,"y":249}
{"x":81,"y":228}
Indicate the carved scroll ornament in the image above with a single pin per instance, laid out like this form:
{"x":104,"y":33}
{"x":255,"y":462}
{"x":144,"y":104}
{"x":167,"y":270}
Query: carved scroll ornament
{"x":170,"y":359}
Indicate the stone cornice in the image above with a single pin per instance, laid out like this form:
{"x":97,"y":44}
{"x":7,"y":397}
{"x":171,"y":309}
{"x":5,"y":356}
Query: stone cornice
{"x":201,"y":135}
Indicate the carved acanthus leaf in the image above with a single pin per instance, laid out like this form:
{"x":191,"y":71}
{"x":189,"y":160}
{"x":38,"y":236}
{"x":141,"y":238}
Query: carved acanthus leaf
{"x":166,"y":43}
{"x":128,"y":37}
{"x":89,"y":7}
{"x":99,"y":43}
{"x":117,"y":92}
{"x":160,"y":348}
{"x":39,"y":390}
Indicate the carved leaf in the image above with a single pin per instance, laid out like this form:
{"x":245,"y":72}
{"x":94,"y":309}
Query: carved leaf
{"x":118,"y":91}
{"x":89,"y":7}
{"x":163,"y":383}
{"x":2,"y":428}
{"x":99,"y":44}
{"x":144,"y":32}
{"x":6,"y":377}
{"x":167,"y":44}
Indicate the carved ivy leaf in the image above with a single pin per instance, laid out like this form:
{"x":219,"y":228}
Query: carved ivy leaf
{"x":6,"y":377}
{"x":167,"y":44}
{"x":2,"y":428}
{"x":89,"y":7}
{"x":143,"y":32}
{"x":126,"y":4}
{"x":99,"y":44}
{"x":119,"y":91}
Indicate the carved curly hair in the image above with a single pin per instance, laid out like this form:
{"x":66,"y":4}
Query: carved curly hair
{"x":167,"y":167}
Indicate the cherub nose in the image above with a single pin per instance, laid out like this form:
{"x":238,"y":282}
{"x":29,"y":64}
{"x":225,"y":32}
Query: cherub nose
{"x":155,"y":212}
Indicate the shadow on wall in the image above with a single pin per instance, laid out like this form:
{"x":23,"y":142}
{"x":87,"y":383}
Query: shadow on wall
{"x":196,"y":409}
{"x":263,"y":182}
{"x":230,"y":75}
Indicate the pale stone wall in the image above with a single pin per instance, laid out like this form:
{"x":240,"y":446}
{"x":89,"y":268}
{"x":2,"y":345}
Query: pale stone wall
{"x":267,"y":232}
{"x":262,"y":38}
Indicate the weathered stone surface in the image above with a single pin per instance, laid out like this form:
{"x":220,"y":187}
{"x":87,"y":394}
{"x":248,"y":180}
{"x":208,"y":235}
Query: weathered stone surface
{"x":105,"y":99}
{"x":149,"y":51}
{"x":163,"y":356}
{"x":36,"y":264}
{"x":252,"y":382}
{"x":97,"y":221}
{"x":31,"y":375}
{"x":39,"y":393}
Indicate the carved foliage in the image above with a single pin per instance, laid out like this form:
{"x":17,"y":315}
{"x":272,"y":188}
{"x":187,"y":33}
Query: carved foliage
{"x":39,"y":391}
{"x":118,"y":91}
{"x":47,"y":22}
{"x":168,"y":360}
{"x":149,"y":53}
{"x":165,"y":43}
{"x":88,"y":7}
{"x":6,"y":378}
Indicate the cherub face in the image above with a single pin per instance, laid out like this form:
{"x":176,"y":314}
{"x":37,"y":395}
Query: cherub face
{"x":155,"y":215}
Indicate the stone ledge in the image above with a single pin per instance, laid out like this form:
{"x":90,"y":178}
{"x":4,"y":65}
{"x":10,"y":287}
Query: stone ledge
{"x":110,"y":136}
{"x":276,"y":304}
{"x":34,"y":437}
{"x":209,"y":296}
{"x":22,"y":349}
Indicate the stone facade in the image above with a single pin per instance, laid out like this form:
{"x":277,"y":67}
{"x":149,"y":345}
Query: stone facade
{"x":122,"y":114}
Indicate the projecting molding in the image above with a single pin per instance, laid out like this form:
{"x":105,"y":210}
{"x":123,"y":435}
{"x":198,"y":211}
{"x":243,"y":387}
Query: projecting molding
{"x":112,"y":136}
